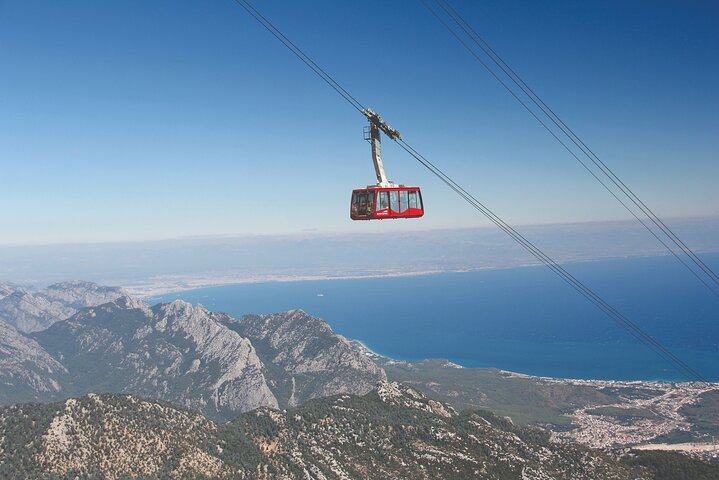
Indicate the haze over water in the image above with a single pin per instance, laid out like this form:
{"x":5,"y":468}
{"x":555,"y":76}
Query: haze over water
{"x":522,"y":319}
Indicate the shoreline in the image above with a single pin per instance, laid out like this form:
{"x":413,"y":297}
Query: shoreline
{"x":167,"y":284}
{"x":445,"y":362}
{"x":186,"y":284}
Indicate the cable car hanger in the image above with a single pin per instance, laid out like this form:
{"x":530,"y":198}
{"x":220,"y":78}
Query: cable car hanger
{"x":385,"y":199}
{"x":372,"y":135}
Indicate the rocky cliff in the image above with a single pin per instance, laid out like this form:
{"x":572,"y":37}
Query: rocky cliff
{"x":174,"y":352}
{"x":27,"y":371}
{"x":305,"y":359}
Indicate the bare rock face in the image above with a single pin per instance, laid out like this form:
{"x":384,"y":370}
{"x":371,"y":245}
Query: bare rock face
{"x":398,"y":394}
{"x":27,"y":371}
{"x":173,"y":352}
{"x":187,"y":355}
{"x":305,"y":359}
{"x":106,"y":341}
{"x":31,"y":310}
{"x":7,"y":288}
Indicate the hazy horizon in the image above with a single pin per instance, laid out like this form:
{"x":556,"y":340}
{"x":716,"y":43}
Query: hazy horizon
{"x":237,"y":259}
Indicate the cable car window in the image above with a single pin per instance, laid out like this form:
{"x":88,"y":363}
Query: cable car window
{"x":383,"y":202}
{"x":403,"y":200}
{"x":370,"y":203}
{"x":394,"y":201}
{"x":412,"y":199}
{"x":355,"y":203}
{"x":363,"y":203}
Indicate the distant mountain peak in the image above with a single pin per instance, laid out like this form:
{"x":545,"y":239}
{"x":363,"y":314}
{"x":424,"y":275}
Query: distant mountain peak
{"x":128,"y":302}
{"x":32,"y":310}
{"x":179,"y":307}
{"x":75,"y":284}
{"x":8,"y":288}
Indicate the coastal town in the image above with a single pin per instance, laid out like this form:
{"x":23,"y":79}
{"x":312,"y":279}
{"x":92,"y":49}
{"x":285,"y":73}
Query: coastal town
{"x":645,"y":417}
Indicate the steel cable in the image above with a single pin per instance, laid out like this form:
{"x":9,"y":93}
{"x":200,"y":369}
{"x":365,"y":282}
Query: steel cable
{"x":557,"y":121}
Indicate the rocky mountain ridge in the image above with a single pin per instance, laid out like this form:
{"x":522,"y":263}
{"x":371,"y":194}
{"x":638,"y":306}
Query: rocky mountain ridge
{"x":174,"y":352}
{"x":30,"y":310}
{"x":187,"y":355}
{"x":391,"y":432}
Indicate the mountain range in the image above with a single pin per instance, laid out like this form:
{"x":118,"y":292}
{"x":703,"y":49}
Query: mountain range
{"x":207,"y":361}
{"x":31,"y":310}
{"x":391,"y":432}
{"x":121,"y":388}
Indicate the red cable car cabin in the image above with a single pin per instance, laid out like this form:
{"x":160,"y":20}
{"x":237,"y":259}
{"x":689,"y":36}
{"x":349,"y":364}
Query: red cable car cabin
{"x":377,"y":203}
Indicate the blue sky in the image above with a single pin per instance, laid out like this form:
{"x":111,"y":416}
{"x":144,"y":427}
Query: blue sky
{"x":138,"y":120}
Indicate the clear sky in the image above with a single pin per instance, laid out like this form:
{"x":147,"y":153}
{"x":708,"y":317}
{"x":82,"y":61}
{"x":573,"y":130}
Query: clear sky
{"x":131,"y":120}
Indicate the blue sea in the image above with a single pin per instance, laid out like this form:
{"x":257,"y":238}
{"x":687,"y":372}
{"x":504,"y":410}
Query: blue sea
{"x":522,"y":319}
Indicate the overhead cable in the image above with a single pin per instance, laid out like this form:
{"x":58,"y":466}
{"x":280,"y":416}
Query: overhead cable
{"x":262,"y":20}
{"x":669,"y":236}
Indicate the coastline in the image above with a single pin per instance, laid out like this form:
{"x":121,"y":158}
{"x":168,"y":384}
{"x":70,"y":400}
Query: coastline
{"x":364,"y":348}
{"x":158,"y":287}
{"x":165,"y":284}
{"x":646,"y":415}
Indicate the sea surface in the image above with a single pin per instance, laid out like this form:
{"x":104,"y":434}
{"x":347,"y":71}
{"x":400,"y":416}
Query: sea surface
{"x":522,"y":319}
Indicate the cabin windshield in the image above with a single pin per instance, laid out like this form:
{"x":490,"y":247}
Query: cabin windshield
{"x":362,"y":203}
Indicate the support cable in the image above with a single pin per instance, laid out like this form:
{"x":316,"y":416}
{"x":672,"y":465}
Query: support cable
{"x":262,"y":20}
{"x":557,"y":121}
{"x":571,"y":152}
